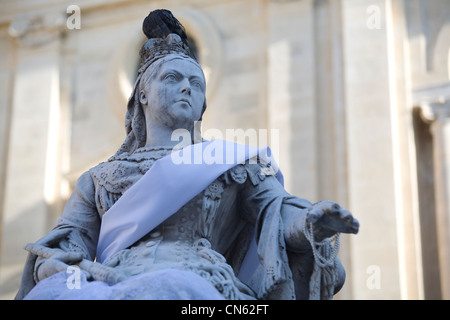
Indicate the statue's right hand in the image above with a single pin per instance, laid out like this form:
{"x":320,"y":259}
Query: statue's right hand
{"x":57,"y":263}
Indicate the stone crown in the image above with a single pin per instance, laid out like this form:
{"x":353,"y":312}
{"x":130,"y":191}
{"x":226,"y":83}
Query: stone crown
{"x":157,"y":47}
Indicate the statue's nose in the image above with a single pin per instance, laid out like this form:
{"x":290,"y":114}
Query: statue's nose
{"x":186,"y":87}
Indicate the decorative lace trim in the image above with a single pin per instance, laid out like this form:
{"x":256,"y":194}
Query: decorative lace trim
{"x":144,"y":153}
{"x":219,"y":273}
{"x":121,"y":171}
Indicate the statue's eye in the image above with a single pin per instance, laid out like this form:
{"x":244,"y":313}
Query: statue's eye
{"x":197,"y":84}
{"x":170,"y":77}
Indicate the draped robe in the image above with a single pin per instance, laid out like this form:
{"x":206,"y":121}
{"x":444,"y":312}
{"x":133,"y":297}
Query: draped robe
{"x":215,"y":227}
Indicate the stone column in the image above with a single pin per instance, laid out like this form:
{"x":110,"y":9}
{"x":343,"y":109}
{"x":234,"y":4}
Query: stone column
{"x":33,"y":141}
{"x":438,"y":115}
{"x":291,"y":92}
{"x":385,"y":255}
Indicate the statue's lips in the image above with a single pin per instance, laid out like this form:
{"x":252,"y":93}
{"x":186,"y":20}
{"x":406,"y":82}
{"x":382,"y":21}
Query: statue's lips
{"x":186,"y":101}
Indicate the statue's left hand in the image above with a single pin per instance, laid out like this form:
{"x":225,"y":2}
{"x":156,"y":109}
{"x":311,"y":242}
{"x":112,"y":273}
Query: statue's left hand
{"x":57,"y":263}
{"x":328,"y":218}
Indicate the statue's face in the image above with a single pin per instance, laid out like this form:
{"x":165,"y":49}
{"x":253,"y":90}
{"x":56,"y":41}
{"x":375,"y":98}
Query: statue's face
{"x":175,"y":95}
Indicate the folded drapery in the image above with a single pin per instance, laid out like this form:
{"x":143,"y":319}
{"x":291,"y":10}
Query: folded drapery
{"x":169,"y":184}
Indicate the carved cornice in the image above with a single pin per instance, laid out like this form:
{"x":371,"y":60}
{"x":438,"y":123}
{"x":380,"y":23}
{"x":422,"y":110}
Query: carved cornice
{"x":433,"y":102}
{"x":432,"y":112}
{"x":37,"y":29}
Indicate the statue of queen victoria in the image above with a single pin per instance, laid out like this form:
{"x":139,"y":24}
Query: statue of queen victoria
{"x":144,"y":225}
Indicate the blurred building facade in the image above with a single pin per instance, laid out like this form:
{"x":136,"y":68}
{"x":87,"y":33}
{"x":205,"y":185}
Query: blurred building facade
{"x":354,"y":96}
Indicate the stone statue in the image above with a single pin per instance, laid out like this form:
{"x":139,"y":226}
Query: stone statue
{"x":140,"y":226}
